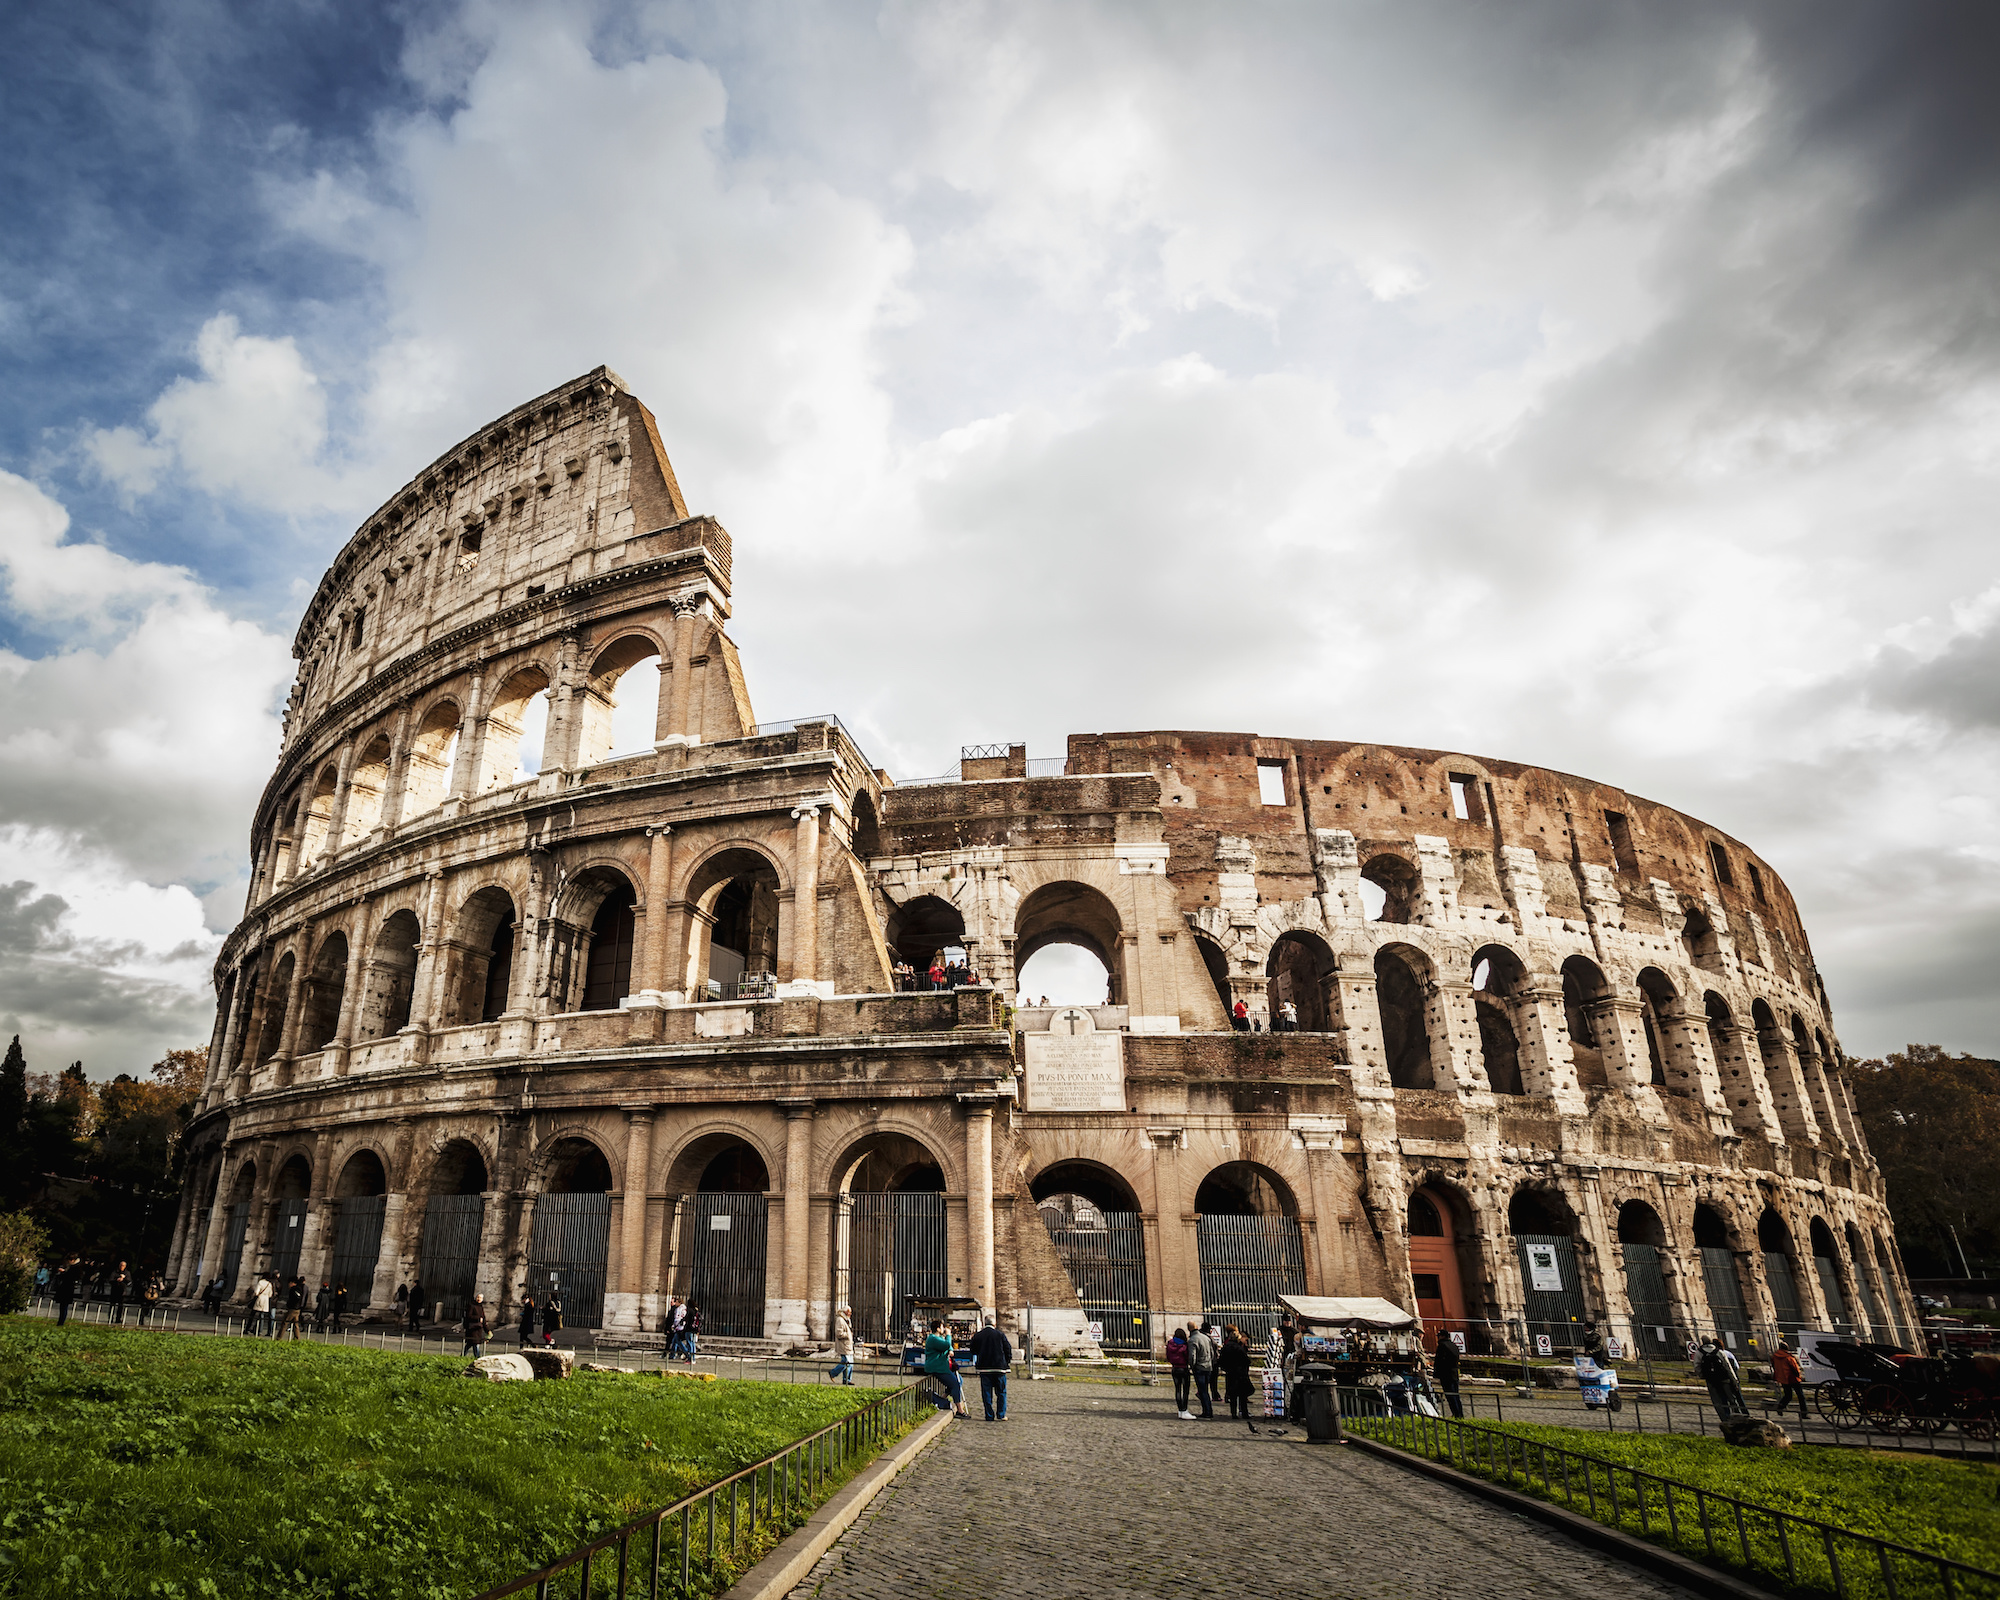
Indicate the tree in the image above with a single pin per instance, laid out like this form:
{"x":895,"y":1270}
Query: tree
{"x":1933,"y":1122}
{"x":22,"y":1246}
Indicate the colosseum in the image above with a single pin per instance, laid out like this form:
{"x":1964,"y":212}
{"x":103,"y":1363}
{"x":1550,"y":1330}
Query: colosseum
{"x":560,"y":968}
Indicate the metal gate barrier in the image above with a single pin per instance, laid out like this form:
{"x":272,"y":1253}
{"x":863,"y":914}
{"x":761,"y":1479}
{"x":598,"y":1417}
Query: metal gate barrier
{"x":357,"y":1241}
{"x":448,"y":1255}
{"x":235,"y":1232}
{"x":288,"y":1242}
{"x":893,"y":1250}
{"x":1551,"y":1287}
{"x":1725,"y":1295}
{"x":1246,"y":1263}
{"x":566,"y":1252}
{"x":1829,"y":1288}
{"x":1654,"y":1324}
{"x":722,"y":1255}
{"x":1108,"y":1267}
{"x":1784,"y":1292}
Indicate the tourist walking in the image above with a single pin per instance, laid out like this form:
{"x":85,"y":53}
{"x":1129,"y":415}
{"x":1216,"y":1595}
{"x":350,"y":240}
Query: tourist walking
{"x":115,"y":1288}
{"x":260,"y":1307}
{"x":552,"y":1313}
{"x":1177,"y":1364}
{"x":992,"y":1359}
{"x":1201,"y":1357}
{"x":937,"y":1364}
{"x":339,"y":1304}
{"x":843,"y":1347}
{"x":416,"y":1305}
{"x":295,"y":1305}
{"x":149,"y":1299}
{"x":1445,"y":1367}
{"x":527,"y":1320}
{"x":474,"y":1328}
{"x":1789,"y":1377}
{"x":211,"y":1297}
{"x":691,"y":1332}
{"x":323,"y":1306}
{"x":1234,"y":1364}
{"x":1719,"y":1371}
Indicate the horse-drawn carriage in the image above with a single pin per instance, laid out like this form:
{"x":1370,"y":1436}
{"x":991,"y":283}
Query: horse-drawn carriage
{"x":1885,"y":1388}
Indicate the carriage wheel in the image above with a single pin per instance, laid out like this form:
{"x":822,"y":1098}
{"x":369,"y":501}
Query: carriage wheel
{"x":1973,"y":1412}
{"x":1887,"y":1408}
{"x":1839,"y":1403}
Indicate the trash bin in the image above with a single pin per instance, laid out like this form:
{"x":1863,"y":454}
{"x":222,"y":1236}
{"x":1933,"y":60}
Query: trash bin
{"x":1319,"y":1406}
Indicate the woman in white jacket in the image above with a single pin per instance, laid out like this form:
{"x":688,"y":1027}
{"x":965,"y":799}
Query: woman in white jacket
{"x":843,"y":1348}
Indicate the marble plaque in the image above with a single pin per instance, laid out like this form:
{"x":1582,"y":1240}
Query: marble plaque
{"x":1073,"y":1067}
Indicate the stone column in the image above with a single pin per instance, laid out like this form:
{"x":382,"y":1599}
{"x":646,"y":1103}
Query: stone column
{"x":396,"y":781}
{"x":680,"y":683}
{"x":336,"y":821}
{"x":805,"y":896}
{"x":471,"y":737}
{"x":798,"y":1218}
{"x":288,"y":1040}
{"x":1790,"y":1096}
{"x":979,"y":1197}
{"x":396,"y":1218}
{"x":1180,"y":1264}
{"x":423,"y":982}
{"x":209,"y":1263}
{"x":353,"y":988}
{"x":622,"y":1309}
{"x":659,"y":886}
{"x":318,"y":1213}
{"x":1542,"y":1026}
{"x":1745,"y":1089}
{"x":256,"y":1236}
{"x":664,"y":700}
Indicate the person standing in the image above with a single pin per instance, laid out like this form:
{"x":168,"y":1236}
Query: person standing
{"x":1445,"y":1368}
{"x":1201,"y":1357}
{"x":339,"y":1304}
{"x":938,"y":1364}
{"x":416,"y":1305}
{"x":1288,"y":1019}
{"x":1239,"y":1016}
{"x":211,"y":1297}
{"x":527,"y":1319}
{"x":402,"y":1302}
{"x":260,"y":1307}
{"x":115,"y":1288}
{"x":677,"y":1312}
{"x":692,"y":1332}
{"x":936,"y":975}
{"x":323,"y":1306}
{"x":1789,"y":1377}
{"x":474,"y":1328}
{"x":843,"y":1347}
{"x":149,"y":1299}
{"x":65,"y":1290}
{"x":295,"y":1306}
{"x":1717,"y":1369}
{"x":552,"y":1313}
{"x":992,"y":1359}
{"x":1177,"y":1364}
{"x":1234,"y":1364}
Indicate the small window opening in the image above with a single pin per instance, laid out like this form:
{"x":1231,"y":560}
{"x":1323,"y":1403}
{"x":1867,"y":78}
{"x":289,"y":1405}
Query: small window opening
{"x":470,"y":541}
{"x":1622,"y":851}
{"x":537,"y":588}
{"x":1756,"y":882}
{"x":360,"y":627}
{"x":1720,"y":858}
{"x":1464,"y":797}
{"x":1271,"y":782}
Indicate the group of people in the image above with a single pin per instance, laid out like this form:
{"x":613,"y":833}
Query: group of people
{"x":992,"y":1359}
{"x":683,"y":1330}
{"x":1286,"y":1020}
{"x":950,"y":968}
{"x":116,"y":1284}
{"x":1201,"y":1353}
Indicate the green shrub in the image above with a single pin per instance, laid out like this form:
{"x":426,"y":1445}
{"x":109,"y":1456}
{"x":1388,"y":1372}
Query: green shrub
{"x":22,"y":1246}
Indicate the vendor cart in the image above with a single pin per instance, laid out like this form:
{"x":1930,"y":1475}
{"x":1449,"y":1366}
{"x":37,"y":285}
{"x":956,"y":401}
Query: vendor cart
{"x":961,"y":1318}
{"x":1599,"y":1385}
{"x":1371,"y":1344}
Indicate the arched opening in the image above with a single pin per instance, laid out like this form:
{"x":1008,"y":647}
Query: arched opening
{"x":1390,"y":890}
{"x":1658,"y":1000}
{"x":1216,"y":964}
{"x":733,"y":906}
{"x":285,"y":861}
{"x":325,"y":988}
{"x":1498,"y":980}
{"x":1642,"y":1238}
{"x":890,"y":1247}
{"x":1719,"y":1276}
{"x":921,"y":931}
{"x":867,"y":837}
{"x":1435,"y":1278}
{"x":433,"y":753}
{"x":724,"y":1233}
{"x":317,"y":818}
{"x":620,"y":704}
{"x":1584,"y":994}
{"x":1078,"y":916}
{"x":1864,"y":1283}
{"x":607,"y":973}
{"x":1249,"y":1245}
{"x":571,"y":1236}
{"x":290,"y":1202}
{"x":391,"y":977}
{"x":516,"y":726}
{"x":1544,"y":1229}
{"x":1731,"y":1069}
{"x":365,"y":790}
{"x":276,"y":998}
{"x":236,"y":1227}
{"x":362,"y":1193}
{"x":1787,"y":1090}
{"x":1406,"y":1040}
{"x":1093,"y":1220}
{"x":483,"y":948}
{"x":1826,"y":1268}
{"x":1698,"y":934}
{"x":454,"y":1214}
{"x":1301,"y":973}
{"x":1774,"y":1243}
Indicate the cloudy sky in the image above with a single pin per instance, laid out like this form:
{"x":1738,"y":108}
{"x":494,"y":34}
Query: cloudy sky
{"x":1614,"y":387}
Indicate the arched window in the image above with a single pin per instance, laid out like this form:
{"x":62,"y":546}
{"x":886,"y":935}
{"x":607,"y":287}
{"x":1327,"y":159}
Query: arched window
{"x":1659,"y":1000}
{"x":1544,"y":1229}
{"x":608,"y":974}
{"x":1093,"y":1220}
{"x":1642,"y":1238}
{"x":276,"y":998}
{"x":1390,"y":890}
{"x":1406,"y":1043}
{"x":1826,"y":1267}
{"x":1080,"y":918}
{"x":1774,"y":1240}
{"x":325,"y":988}
{"x":516,"y":726}
{"x":1584,"y":991}
{"x":485,"y":938}
{"x":620,"y":704}
{"x":365,"y":791}
{"x":923,"y":929}
{"x":433,"y":753}
{"x":1498,"y":979}
{"x":733,"y":945}
{"x":1301,"y":973}
{"x":392,"y":971}
{"x":1719,"y":1276}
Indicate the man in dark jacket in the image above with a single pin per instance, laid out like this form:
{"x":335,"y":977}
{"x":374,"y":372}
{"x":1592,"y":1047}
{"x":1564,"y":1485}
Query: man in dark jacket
{"x":339,"y":1304}
{"x":1446,"y":1368}
{"x":323,"y":1306}
{"x":475,"y":1328}
{"x":1202,"y":1352}
{"x":114,"y":1291}
{"x":416,"y":1305}
{"x":992,"y":1359}
{"x":65,"y":1290}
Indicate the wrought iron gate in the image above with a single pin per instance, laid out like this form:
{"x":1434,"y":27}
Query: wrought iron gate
{"x":894,"y":1252}
{"x":1784,"y":1292}
{"x":566,"y":1251}
{"x":448,"y":1257}
{"x":1246,"y":1263}
{"x":235,"y":1233}
{"x":1829,"y":1288}
{"x":357,"y":1241}
{"x":1864,"y":1280}
{"x":1653,"y":1320}
{"x":1725,"y":1293}
{"x":1108,"y":1266}
{"x":287,"y":1242}
{"x":1551,"y":1286}
{"x":723,"y":1240}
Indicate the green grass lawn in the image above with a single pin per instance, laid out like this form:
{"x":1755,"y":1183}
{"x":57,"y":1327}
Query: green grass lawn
{"x":1945,"y":1507}
{"x":209,"y":1468}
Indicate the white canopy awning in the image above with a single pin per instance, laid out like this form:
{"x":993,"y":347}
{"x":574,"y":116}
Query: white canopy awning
{"x":1347,"y":1311}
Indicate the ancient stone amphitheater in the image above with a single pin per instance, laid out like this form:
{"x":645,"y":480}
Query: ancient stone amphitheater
{"x":559,"y":967}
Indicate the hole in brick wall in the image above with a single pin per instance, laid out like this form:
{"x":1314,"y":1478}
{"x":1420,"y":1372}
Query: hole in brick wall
{"x":1720,"y":859}
{"x":1271,"y":783}
{"x":1622,"y":851}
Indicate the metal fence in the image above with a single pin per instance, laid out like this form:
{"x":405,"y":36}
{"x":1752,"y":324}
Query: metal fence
{"x":1803,"y":1552}
{"x":893,"y":1252}
{"x":290,"y":1241}
{"x":236,"y":1233}
{"x":566,"y":1253}
{"x":448,"y":1257}
{"x":357,"y":1241}
{"x":1246,"y":1263}
{"x":699,"y":1545}
{"x":1108,"y":1266}
{"x":723,"y":1243}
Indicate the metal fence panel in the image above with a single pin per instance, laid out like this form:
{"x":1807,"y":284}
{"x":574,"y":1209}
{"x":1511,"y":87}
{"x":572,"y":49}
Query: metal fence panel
{"x":1725,"y":1293}
{"x":1829,"y":1288}
{"x":1884,"y":1330}
{"x":895,"y":1253}
{"x":357,"y":1241}
{"x":290,"y":1239}
{"x":1246,"y":1263}
{"x":448,"y":1257}
{"x":1784,"y":1291}
{"x":567,"y":1250}
{"x":1555,"y":1310}
{"x":722,"y":1255}
{"x":1653,"y":1318}
{"x":1108,"y":1266}
{"x":236,"y":1232}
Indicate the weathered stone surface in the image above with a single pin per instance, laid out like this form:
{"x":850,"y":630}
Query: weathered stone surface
{"x":502,"y":1369}
{"x":548,"y":1363}
{"x":1755,"y":1431}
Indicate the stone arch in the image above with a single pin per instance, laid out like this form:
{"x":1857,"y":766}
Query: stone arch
{"x":1078,"y":1179}
{"x":277,"y":996}
{"x":322,"y":993}
{"x":1640,"y":1223}
{"x":367,"y":787}
{"x":245,"y":1184}
{"x":592,"y":938}
{"x":1732,"y":1070}
{"x":482,"y":956}
{"x":1244,"y":1189}
{"x":1586,"y":993}
{"x":460,"y":1167}
{"x":1774,"y":1241}
{"x":1068,"y":912}
{"x":521,"y":700}
{"x":1540,"y":1208}
{"x":1402,"y":976}
{"x":866,"y":838}
{"x":1216,"y":965}
{"x":432,"y":754}
{"x":316,"y":817}
{"x":1398,"y":883}
{"x":1659,"y":1000}
{"x":892,"y":1160}
{"x":574,"y":1160}
{"x":682,"y":1169}
{"x":1704,"y":949}
{"x":362,"y":1174}
{"x":294,"y":1179}
{"x":1301,"y":970}
{"x":391,"y":976}
{"x":734,"y":900}
{"x":1441,"y":1231}
{"x":286,"y":861}
{"x":627,"y":648}
{"x":1499,"y":982}
{"x":921,"y":927}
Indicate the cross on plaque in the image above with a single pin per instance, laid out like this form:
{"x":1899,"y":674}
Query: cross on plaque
{"x":1071,"y":1022}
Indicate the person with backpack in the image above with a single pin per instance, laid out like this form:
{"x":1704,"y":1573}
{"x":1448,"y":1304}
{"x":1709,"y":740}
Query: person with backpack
{"x":1718,"y":1370}
{"x":1201,"y":1358}
{"x":1789,"y":1377}
{"x":1177,"y":1363}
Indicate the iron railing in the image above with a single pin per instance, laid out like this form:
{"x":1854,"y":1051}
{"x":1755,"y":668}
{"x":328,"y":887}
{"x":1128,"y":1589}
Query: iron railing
{"x":1803,"y":1552}
{"x":764,"y":1502}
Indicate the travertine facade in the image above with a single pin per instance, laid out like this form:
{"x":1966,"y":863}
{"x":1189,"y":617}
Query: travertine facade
{"x":630,"y":1017}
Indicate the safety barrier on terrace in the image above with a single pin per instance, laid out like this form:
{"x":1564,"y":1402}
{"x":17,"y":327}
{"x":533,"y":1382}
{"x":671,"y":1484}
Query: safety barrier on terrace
{"x":1802,"y":1553}
{"x":765,"y":1501}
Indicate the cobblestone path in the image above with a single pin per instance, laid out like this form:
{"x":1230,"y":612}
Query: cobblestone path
{"x":1099,"y":1492}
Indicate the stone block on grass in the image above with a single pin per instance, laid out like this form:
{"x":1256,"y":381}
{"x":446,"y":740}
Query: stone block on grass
{"x":556,"y":1363}
{"x":501,"y":1369}
{"x":1755,"y":1432}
